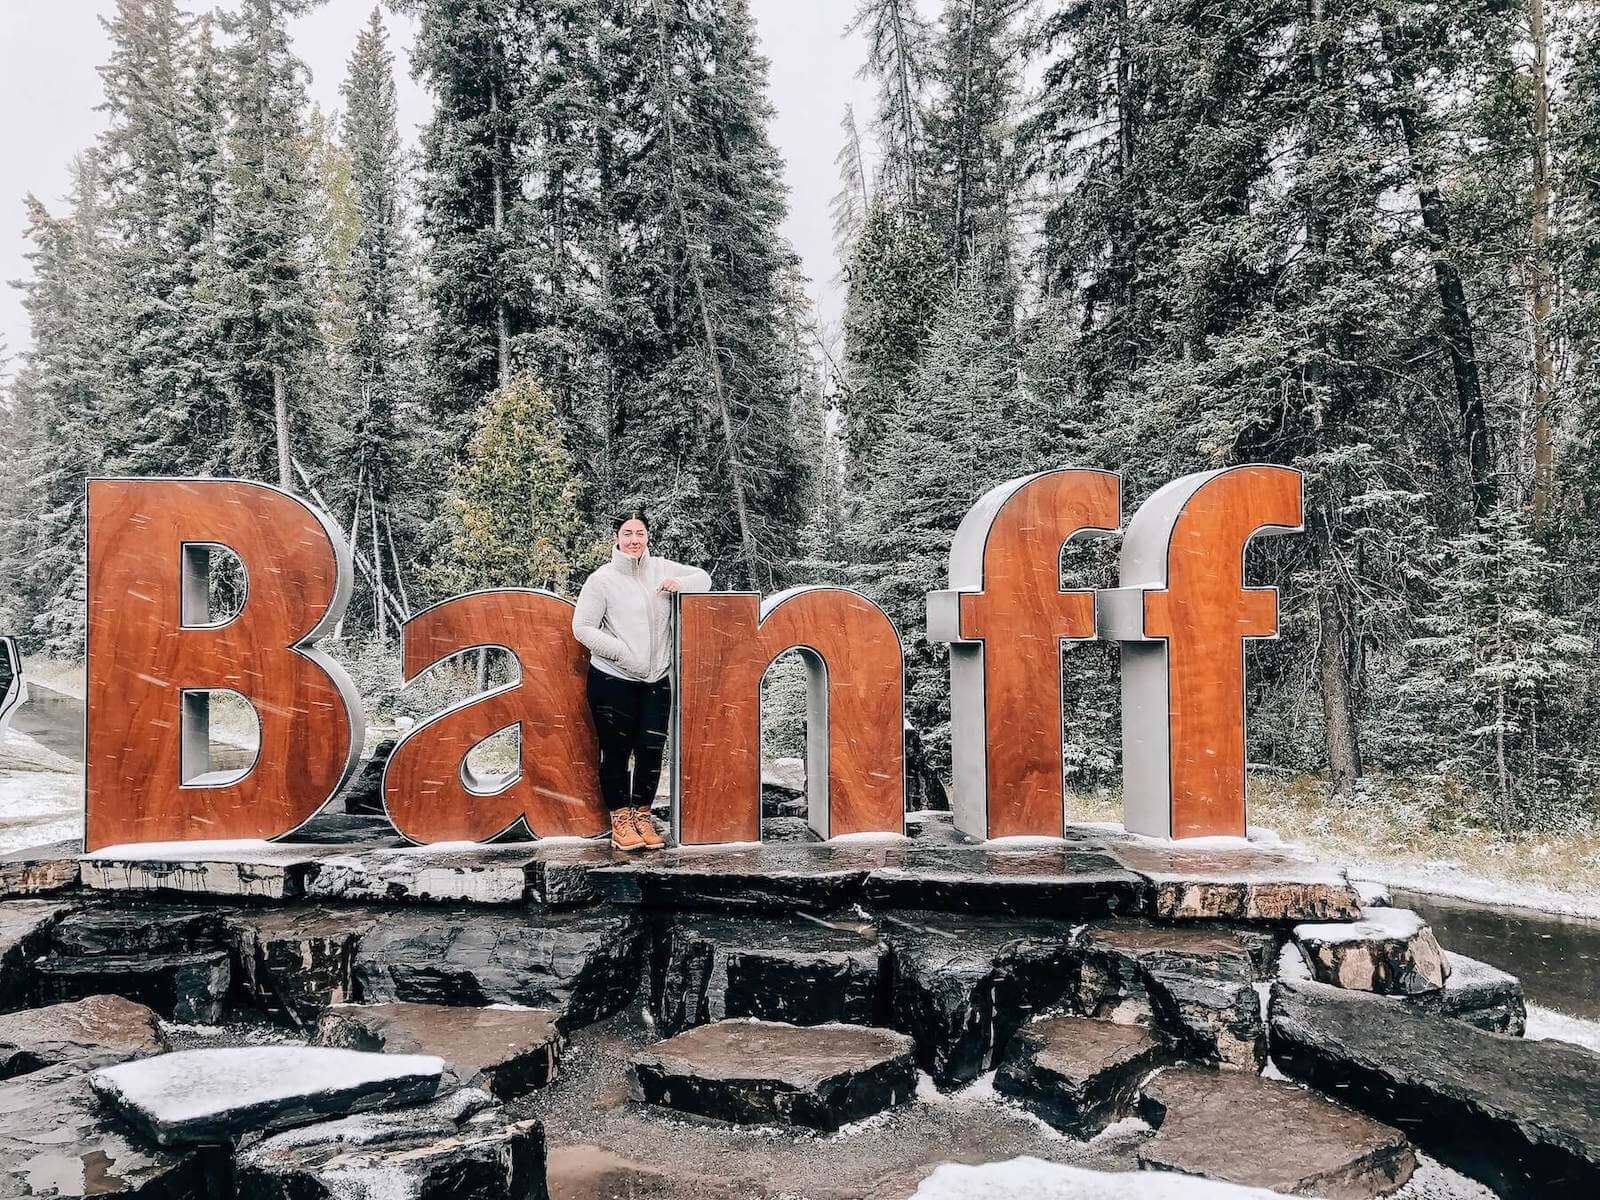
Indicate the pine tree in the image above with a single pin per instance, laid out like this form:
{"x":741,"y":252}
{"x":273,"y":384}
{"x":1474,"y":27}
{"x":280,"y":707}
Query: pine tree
{"x":516,"y":498}
{"x":267,"y":312}
{"x":897,"y":52}
{"x":1493,"y":683}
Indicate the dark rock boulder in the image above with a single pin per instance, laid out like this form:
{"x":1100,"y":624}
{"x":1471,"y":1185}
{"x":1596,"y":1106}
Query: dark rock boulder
{"x":102,"y":929}
{"x":1195,"y":983}
{"x":91,"y":1033}
{"x":24,"y":928}
{"x":198,"y":1096}
{"x":58,"y":1140}
{"x":585,"y":964}
{"x":705,"y":968}
{"x":784,"y":877}
{"x":763,"y":1072}
{"x":297,"y":962}
{"x":1071,"y":883}
{"x":787,"y":829}
{"x":364,"y":796}
{"x":505,"y":1051}
{"x":461,"y":1147}
{"x":558,"y":876}
{"x":1390,"y":950}
{"x":963,"y":984}
{"x":191,"y":989}
{"x":1522,"y":1116}
{"x":1269,"y":1134}
{"x":1478,"y":994}
{"x":1078,"y":1074}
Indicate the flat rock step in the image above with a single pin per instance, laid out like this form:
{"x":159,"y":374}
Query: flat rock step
{"x":1389,"y":950}
{"x":783,"y":877}
{"x":24,"y":927}
{"x":1522,"y":1116}
{"x":1247,"y":883}
{"x":505,"y":1051}
{"x":765,"y":1072}
{"x":803,"y":972}
{"x":461,"y":1147}
{"x":39,"y":870}
{"x":1266,"y":1133}
{"x":255,"y":869}
{"x":91,"y":1033}
{"x":201,"y":1096}
{"x":1078,"y":1074}
{"x":1076,"y":881}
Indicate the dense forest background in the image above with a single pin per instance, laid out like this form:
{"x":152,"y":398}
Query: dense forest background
{"x":1359,"y":237}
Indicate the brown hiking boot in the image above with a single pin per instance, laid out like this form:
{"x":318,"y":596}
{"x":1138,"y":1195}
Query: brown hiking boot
{"x":623,"y":834}
{"x":646,"y":827}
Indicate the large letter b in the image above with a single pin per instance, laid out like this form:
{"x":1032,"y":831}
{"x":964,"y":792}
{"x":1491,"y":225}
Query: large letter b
{"x":155,"y":656}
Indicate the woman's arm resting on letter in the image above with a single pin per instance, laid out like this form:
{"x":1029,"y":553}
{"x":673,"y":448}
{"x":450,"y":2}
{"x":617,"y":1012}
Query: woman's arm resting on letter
{"x":689,"y":579}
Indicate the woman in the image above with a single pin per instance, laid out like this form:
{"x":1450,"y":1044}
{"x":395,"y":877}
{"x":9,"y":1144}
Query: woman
{"x":624,"y":617}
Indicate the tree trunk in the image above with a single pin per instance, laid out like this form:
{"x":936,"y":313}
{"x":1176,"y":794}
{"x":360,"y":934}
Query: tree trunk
{"x":907,"y":108}
{"x":502,"y":330}
{"x":1455,"y":316}
{"x":1541,"y":277}
{"x":280,"y":417}
{"x":1338,"y":712}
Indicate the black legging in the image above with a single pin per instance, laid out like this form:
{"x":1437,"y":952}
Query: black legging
{"x":629,"y":718}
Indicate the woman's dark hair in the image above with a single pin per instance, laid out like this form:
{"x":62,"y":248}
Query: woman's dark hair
{"x":632,"y":514}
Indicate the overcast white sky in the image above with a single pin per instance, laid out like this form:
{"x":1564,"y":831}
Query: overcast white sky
{"x":49,"y":89}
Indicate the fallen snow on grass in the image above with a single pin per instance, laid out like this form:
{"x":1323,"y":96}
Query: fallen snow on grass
{"x":1443,"y":878}
{"x":1546,"y":1024}
{"x":38,"y":808}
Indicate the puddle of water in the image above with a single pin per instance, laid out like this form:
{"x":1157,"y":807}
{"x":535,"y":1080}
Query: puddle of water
{"x":1557,"y":958}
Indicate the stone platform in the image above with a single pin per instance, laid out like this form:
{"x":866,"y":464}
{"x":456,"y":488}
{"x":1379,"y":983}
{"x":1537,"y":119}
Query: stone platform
{"x":608,"y":1025}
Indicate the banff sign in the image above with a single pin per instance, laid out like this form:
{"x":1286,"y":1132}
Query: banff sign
{"x":1181,"y":615}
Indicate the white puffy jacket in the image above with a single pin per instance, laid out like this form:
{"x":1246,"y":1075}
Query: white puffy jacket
{"x":625,"y":619}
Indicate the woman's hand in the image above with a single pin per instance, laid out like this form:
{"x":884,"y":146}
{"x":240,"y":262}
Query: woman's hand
{"x":668,"y":585}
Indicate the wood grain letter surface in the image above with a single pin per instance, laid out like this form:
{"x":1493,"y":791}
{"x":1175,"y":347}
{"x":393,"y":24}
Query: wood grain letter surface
{"x":1188,"y":614}
{"x":1006,"y":616}
{"x":430,"y":793}
{"x":855,"y":745}
{"x":144,"y":657}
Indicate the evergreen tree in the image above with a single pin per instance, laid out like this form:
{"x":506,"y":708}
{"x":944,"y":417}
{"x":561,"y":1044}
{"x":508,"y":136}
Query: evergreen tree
{"x":267,"y":312}
{"x":897,"y":52}
{"x":516,"y":498}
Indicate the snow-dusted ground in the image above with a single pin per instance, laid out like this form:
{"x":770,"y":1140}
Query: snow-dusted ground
{"x":1546,"y":1023}
{"x":41,"y":794}
{"x":1450,"y":879}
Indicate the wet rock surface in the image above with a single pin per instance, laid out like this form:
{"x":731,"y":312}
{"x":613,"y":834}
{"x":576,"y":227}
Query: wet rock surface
{"x":190,"y":988}
{"x":1478,"y":994}
{"x":784,"y":877}
{"x":705,"y":968}
{"x":1243,"y":884}
{"x":1390,"y":951}
{"x":558,"y":876}
{"x":1269,"y":1134}
{"x":462,"y":1147}
{"x":91,"y":1033}
{"x":24,"y":927}
{"x":1522,"y":1116}
{"x":201,"y":1096}
{"x":297,"y":962}
{"x":585,"y":964}
{"x":1196,"y":983}
{"x":39,"y":870}
{"x":761,"y":1072}
{"x":58,"y":1140}
{"x":255,"y":870}
{"x":504,"y":1051}
{"x":962,"y":984}
{"x":1078,"y":1074}
{"x":480,"y":875}
{"x":1068,"y":883}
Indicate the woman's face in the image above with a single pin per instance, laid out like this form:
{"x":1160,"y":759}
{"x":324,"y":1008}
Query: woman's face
{"x":633,"y":537}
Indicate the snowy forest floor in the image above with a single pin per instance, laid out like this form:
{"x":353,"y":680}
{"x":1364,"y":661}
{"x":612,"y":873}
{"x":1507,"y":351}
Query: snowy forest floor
{"x":1415,"y":839}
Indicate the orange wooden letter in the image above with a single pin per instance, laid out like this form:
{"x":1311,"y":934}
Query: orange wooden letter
{"x":1182,"y":614}
{"x":154,"y":657}
{"x":855,"y":744}
{"x":1006,"y":616}
{"x":429,"y":791}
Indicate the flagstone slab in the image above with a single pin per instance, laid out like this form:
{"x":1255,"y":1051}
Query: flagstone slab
{"x":40,"y":870}
{"x":784,"y":877}
{"x":505,"y":1051}
{"x":1237,"y":883}
{"x":1079,"y":1074}
{"x":767,"y":1072}
{"x":95,"y":1032}
{"x":198,"y":1096}
{"x":1073,"y":881}
{"x":24,"y":927}
{"x":244,"y":869}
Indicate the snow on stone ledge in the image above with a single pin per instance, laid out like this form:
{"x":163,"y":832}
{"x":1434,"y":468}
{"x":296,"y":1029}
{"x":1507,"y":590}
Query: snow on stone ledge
{"x":214,"y":1095}
{"x":1030,"y":1178}
{"x":1376,"y":924}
